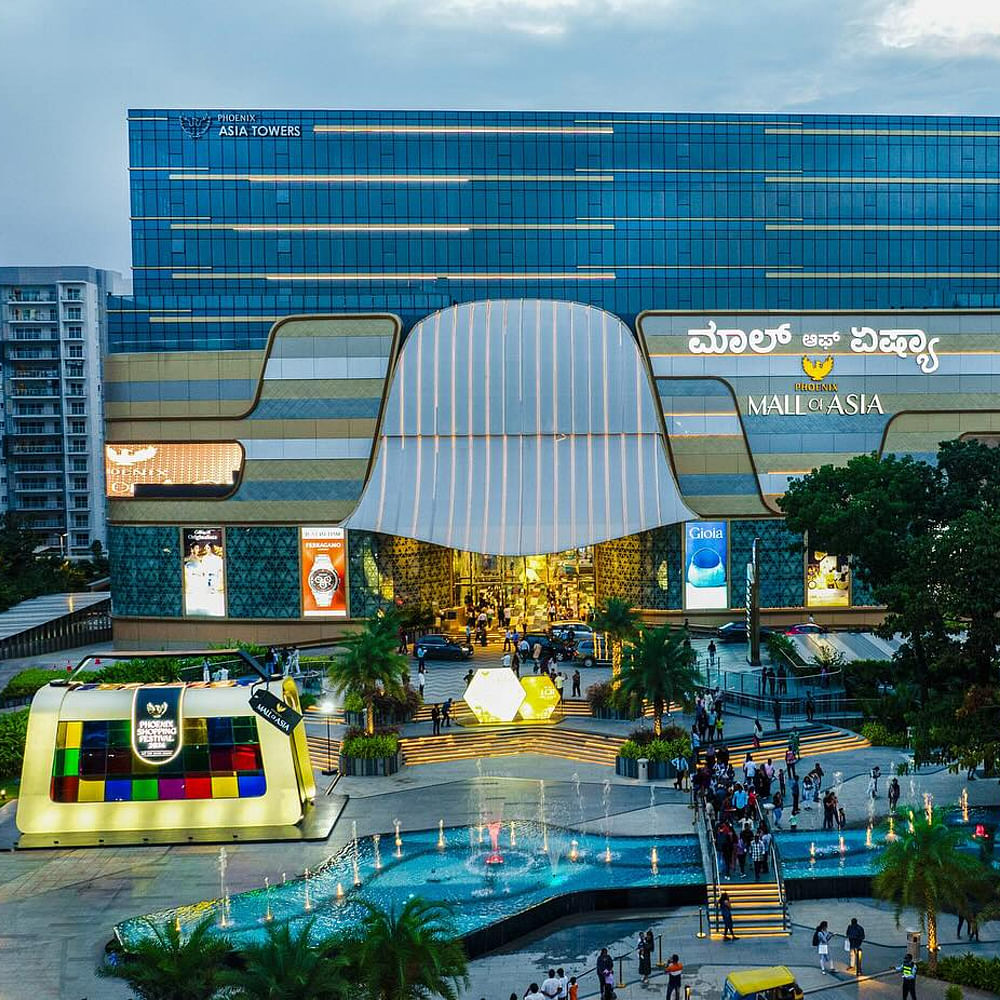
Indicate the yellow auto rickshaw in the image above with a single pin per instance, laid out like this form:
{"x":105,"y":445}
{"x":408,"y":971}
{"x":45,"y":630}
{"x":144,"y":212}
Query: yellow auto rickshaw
{"x":773,"y":983}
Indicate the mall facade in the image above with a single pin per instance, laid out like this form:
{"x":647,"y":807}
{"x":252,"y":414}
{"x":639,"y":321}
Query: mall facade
{"x":533,"y":358}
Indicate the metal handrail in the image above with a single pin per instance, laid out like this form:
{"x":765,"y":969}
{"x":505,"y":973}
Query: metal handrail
{"x":701,"y":813}
{"x":779,"y":876}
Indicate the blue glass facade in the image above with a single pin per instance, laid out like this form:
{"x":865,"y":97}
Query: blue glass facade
{"x":409,"y":212}
{"x":801,"y":289}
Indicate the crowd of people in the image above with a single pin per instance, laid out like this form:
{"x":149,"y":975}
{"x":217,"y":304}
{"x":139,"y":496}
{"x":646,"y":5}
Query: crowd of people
{"x":559,"y":986}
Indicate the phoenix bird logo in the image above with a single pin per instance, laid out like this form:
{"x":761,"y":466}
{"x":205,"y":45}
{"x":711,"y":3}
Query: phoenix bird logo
{"x":130,"y":456}
{"x":196,"y":126}
{"x":156,"y":711}
{"x":817,"y":370}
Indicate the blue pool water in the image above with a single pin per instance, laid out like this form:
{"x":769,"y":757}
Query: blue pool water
{"x":457,"y":873}
{"x":537,"y":864}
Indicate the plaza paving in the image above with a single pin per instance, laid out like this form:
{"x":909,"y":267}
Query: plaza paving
{"x":58,"y":907}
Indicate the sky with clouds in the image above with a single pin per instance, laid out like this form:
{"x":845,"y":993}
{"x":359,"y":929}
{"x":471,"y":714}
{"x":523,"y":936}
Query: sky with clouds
{"x":70,"y":68}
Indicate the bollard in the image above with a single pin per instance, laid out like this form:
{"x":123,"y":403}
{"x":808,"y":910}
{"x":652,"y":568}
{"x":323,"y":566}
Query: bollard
{"x":701,"y":924}
{"x":659,"y":950}
{"x":687,"y":993}
{"x":857,"y":962}
{"x":621,"y":978}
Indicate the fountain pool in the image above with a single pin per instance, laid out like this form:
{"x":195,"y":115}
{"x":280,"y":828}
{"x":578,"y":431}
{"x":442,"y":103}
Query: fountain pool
{"x":487,"y":879}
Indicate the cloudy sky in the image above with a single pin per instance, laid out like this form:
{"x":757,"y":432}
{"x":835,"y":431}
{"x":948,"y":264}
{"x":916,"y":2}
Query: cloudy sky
{"x":70,"y":68}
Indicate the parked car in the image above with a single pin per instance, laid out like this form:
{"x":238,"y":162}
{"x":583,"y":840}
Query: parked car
{"x":571,"y":631}
{"x":440,"y":647}
{"x":552,"y":648}
{"x":807,"y":628}
{"x":593,"y":651}
{"x":737,"y":632}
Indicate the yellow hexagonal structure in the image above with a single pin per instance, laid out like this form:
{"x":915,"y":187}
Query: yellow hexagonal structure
{"x":540,"y":698}
{"x":494,"y":695}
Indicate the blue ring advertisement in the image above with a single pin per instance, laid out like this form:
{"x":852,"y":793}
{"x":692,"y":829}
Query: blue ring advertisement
{"x":706,"y":565}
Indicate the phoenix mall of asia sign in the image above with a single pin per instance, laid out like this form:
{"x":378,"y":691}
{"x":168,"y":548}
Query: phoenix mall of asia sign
{"x":821,"y":394}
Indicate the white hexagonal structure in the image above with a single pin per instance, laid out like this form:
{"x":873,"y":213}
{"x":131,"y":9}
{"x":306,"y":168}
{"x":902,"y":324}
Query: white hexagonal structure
{"x":494,"y":695}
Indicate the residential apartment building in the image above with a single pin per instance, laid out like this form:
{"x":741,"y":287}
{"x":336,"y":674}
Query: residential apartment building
{"x":53,"y":334}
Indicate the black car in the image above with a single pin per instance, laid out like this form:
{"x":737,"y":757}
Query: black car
{"x":440,"y":647}
{"x":737,"y":632}
{"x":554,"y":649}
{"x":593,"y":652}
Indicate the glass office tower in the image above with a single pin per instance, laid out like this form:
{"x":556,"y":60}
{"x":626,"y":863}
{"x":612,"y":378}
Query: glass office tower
{"x":792,"y":290}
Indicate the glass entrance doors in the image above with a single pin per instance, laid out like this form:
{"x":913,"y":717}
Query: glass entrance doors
{"x":536,"y":589}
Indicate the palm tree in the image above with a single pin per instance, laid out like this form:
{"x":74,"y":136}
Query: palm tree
{"x":658,"y":667}
{"x":412,"y":954}
{"x":371,"y":666}
{"x":927,"y":870}
{"x":619,"y":623}
{"x":169,"y":966}
{"x":288,"y":966}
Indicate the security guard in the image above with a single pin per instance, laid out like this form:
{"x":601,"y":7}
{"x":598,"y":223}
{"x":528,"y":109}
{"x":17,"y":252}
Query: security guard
{"x":909,"y":970}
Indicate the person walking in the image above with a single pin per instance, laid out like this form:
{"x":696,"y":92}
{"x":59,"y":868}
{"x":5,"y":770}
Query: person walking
{"x":795,"y":795}
{"x":790,"y":759}
{"x":576,"y":683}
{"x":855,"y":935}
{"x":758,"y":855}
{"x":726,"y":912}
{"x":674,"y":970}
{"x":563,"y":993}
{"x":758,"y":732}
{"x":506,"y":660}
{"x":909,"y":970}
{"x":712,"y":650}
{"x":782,"y":680}
{"x":421,"y":655}
{"x":810,"y":707}
{"x":821,"y":939}
{"x":605,"y":965}
{"x":550,"y":986}
{"x":777,"y":714}
{"x":779,"y":804}
{"x":446,"y":714}
{"x":508,"y":639}
{"x":421,"y":680}
{"x":893,"y":794}
{"x":560,"y":683}
{"x":771,"y":678}
{"x":436,"y":720}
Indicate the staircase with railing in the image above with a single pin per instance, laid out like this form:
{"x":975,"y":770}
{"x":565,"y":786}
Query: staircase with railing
{"x":759,"y":908}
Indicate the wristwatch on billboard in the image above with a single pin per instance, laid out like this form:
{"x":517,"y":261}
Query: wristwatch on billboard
{"x":323,"y":580}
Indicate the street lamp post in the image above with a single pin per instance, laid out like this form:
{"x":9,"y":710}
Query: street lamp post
{"x":326,"y":707}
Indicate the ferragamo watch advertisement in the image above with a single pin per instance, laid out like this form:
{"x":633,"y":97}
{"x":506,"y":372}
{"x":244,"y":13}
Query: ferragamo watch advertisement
{"x":323,"y":560}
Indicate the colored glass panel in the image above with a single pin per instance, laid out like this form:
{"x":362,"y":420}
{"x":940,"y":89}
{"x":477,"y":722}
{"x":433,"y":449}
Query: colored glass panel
{"x":171,"y":788}
{"x":145,"y":790}
{"x":225,"y":787}
{"x":197,"y":788}
{"x":74,"y":733}
{"x":117,"y":790}
{"x":90,"y":791}
{"x":251,"y":785}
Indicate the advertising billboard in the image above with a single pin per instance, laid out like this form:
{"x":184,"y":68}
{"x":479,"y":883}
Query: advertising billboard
{"x":828,"y":581}
{"x":204,"y":572}
{"x":323,"y":572}
{"x":188,"y":470}
{"x":706,"y":565}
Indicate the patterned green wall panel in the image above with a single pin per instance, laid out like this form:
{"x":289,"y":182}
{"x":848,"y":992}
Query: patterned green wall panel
{"x":145,"y":570}
{"x":644,"y":569}
{"x":861,"y":595}
{"x":263,"y":572}
{"x":782,"y":583}
{"x":384,"y":569}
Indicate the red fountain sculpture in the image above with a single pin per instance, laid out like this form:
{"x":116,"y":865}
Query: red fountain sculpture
{"x":494,"y":857}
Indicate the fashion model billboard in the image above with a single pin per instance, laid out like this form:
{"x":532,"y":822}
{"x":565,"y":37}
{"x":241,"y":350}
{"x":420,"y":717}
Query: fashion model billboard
{"x":323,"y":568}
{"x":204,"y":572}
{"x":828,"y":581}
{"x":706,"y":565}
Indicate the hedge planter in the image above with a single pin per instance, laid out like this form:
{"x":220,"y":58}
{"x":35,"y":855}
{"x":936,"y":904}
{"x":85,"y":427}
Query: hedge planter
{"x":395,"y":718}
{"x":627,"y":767}
{"x":369,"y":767}
{"x":612,"y":713}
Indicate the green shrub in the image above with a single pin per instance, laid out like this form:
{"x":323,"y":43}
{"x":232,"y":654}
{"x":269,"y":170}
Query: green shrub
{"x":881,"y":736}
{"x":953,"y":992}
{"x":13,"y":733}
{"x":370,"y":747}
{"x":659,"y":751}
{"x":353,"y":703}
{"x":601,"y":695}
{"x":979,"y":972}
{"x":26,"y":682}
{"x":307,"y":701}
{"x":140,"y":671}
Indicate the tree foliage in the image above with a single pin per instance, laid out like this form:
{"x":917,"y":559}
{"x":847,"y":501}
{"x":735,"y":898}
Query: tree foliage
{"x":370,"y":665}
{"x":927,"y":870}
{"x":171,"y":964}
{"x":924,"y":538}
{"x":619,"y":623}
{"x":409,"y":954}
{"x":659,"y":668}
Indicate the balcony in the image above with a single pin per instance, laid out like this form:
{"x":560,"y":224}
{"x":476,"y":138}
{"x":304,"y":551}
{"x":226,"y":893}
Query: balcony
{"x":34,"y":373}
{"x":29,"y":299}
{"x":36,"y":449}
{"x":52,"y":393}
{"x":33,"y":487}
{"x":35,"y":468}
{"x":34,"y":508}
{"x":21,"y":354}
